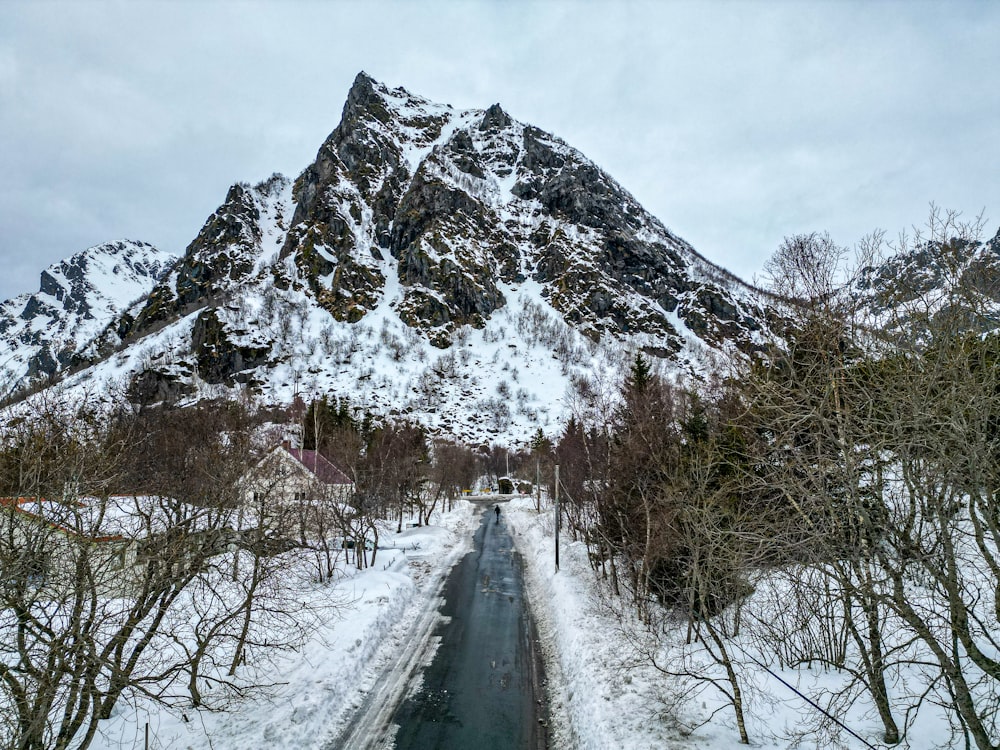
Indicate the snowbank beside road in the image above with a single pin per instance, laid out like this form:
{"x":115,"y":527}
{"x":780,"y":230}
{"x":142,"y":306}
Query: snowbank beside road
{"x":602,"y":706}
{"x":316,"y":688}
{"x":611,"y":696}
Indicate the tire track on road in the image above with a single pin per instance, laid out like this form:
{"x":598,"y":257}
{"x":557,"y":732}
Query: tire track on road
{"x":368,"y":728}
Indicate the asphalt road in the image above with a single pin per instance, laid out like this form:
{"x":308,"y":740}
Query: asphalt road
{"x":484,"y":687}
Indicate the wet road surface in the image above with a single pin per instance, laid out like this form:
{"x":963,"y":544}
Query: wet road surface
{"x":484,"y":687}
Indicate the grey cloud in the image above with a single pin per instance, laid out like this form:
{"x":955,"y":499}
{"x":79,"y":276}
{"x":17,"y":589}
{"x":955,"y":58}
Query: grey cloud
{"x":735,"y":123}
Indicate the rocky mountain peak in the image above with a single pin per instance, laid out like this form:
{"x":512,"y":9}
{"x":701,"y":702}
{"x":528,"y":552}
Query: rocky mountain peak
{"x":377,"y":123}
{"x":428,"y":235}
{"x":77,"y":281}
{"x":40,"y":333}
{"x":495,"y":119}
{"x":448,"y":194}
{"x":364,"y":100}
{"x":454,"y":208}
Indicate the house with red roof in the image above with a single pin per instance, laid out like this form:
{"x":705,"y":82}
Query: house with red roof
{"x":289,"y":480}
{"x":320,"y":467}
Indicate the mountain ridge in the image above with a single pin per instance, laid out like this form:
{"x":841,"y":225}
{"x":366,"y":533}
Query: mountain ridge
{"x":441,"y":229}
{"x":40,"y":332}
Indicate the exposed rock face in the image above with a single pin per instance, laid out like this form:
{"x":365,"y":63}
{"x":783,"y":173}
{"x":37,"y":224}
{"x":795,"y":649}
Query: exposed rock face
{"x":935,"y":279}
{"x":418,"y":226}
{"x":41,"y":333}
{"x":346,"y":200}
{"x":454,"y":209}
{"x":223,"y":255}
{"x":448,"y":282}
{"x":495,"y":119}
{"x":220,"y":360}
{"x":471,"y":202}
{"x":158,"y":386}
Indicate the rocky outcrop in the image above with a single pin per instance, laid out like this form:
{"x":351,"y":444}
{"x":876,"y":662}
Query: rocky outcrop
{"x":221,"y":257}
{"x":450,"y":258}
{"x":935,"y":279}
{"x":345,"y":202}
{"x":155,"y":385}
{"x":219,"y":358}
{"x":42,"y":334}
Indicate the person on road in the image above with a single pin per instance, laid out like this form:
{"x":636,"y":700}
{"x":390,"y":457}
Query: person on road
{"x":497,"y":511}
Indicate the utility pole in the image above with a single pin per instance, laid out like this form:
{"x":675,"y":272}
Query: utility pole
{"x":538,"y":487}
{"x":557,"y":518}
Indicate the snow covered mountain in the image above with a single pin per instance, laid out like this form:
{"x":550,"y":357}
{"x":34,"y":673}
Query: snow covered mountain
{"x":454,"y":265}
{"x":77,"y":299}
{"x":936,"y":278}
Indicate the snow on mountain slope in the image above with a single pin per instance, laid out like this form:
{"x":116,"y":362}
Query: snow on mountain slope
{"x":236,"y":244}
{"x":499,"y":383}
{"x":76,"y":300}
{"x":464,"y":200}
{"x":457,"y":267}
{"x":915,"y":287}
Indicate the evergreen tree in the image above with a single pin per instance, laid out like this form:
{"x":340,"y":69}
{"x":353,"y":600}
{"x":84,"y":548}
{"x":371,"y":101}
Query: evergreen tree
{"x":640,"y":375}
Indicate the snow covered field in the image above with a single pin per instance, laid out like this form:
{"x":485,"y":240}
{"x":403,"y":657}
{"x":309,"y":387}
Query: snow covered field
{"x":603,"y":695}
{"x":316,"y":688}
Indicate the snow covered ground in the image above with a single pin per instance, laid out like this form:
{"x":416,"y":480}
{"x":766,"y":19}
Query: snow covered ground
{"x":602,"y":694}
{"x":317,"y":687}
{"x":607,"y":695}
{"x":597,"y":703}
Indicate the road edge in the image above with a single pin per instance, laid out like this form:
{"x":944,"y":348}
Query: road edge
{"x":366,"y":726}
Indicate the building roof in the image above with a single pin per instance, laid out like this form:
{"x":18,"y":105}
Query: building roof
{"x":65,"y":517}
{"x":117,"y":518}
{"x":319,"y":466}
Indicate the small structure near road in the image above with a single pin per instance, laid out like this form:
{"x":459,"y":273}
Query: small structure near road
{"x":44,"y":541}
{"x":288,"y":476}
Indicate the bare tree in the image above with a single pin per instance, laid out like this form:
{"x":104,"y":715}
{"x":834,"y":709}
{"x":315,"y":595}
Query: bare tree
{"x":453,"y":469}
{"x":881,"y":441}
{"x":99,"y":587}
{"x":816,"y":404}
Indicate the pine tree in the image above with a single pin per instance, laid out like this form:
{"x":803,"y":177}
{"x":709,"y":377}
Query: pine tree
{"x":640,"y":375}
{"x":540,"y":444}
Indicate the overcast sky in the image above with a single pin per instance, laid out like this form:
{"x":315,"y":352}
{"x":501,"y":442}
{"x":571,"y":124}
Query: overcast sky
{"x":734,"y":123}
